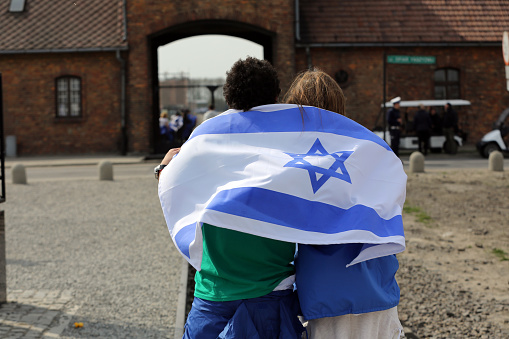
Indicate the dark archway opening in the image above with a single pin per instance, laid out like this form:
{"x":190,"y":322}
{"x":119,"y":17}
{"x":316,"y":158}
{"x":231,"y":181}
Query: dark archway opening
{"x":204,"y":27}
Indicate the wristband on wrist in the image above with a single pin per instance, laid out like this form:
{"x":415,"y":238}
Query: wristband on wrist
{"x":157,"y":170}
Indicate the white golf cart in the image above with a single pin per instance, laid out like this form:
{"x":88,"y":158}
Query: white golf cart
{"x":494,"y":140}
{"x":408,"y":139}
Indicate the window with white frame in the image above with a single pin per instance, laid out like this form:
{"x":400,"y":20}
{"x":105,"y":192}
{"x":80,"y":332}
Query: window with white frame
{"x":68,"y":97}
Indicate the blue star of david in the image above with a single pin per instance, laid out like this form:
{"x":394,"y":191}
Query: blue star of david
{"x":326,"y":173}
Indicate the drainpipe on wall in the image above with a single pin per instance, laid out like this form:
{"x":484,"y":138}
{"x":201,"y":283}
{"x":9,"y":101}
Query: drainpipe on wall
{"x":123,"y":146}
{"x":297,"y":34}
{"x":123,"y":70}
{"x":297,"y":20}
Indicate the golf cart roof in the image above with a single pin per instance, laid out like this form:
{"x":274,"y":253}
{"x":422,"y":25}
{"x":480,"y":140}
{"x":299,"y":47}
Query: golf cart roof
{"x":429,"y":103}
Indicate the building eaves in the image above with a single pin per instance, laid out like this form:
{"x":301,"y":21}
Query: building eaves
{"x":403,"y":22}
{"x":53,"y":26}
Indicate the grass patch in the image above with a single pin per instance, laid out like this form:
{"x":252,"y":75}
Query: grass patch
{"x":418,"y":213}
{"x":500,"y":254}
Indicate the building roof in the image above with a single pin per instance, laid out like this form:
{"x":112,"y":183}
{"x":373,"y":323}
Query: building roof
{"x":403,"y":21}
{"x":62,"y":25}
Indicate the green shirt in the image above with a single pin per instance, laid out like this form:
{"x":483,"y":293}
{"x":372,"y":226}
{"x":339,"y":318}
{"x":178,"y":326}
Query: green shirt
{"x":238,"y":265}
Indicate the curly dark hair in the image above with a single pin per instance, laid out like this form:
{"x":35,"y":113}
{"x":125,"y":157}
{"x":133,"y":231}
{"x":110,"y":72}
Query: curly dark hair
{"x":249,"y":83}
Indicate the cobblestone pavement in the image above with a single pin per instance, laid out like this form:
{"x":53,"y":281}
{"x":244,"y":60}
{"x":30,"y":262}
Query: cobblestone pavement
{"x":35,"y":314}
{"x":91,"y":252}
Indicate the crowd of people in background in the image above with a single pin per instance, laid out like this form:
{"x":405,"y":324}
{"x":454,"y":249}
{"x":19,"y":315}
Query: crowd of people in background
{"x":177,"y":128}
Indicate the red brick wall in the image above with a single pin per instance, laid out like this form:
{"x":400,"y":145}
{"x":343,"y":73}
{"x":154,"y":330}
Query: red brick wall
{"x":29,"y":103}
{"x":146,"y":17}
{"x":29,"y":79}
{"x":482,"y":80}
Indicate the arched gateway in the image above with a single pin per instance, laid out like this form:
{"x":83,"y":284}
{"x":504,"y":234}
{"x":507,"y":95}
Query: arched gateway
{"x":150,"y":26}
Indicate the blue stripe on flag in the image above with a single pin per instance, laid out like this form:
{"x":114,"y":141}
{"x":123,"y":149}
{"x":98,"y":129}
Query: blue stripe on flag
{"x":185,"y":237}
{"x":288,"y":120}
{"x":294,"y":212}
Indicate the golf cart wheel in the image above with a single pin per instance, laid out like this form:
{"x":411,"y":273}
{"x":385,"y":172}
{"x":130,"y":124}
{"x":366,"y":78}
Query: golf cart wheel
{"x":487,"y":149}
{"x":435,"y":150}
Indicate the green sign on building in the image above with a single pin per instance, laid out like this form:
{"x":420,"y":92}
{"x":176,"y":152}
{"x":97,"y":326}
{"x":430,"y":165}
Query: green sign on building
{"x":411,"y":59}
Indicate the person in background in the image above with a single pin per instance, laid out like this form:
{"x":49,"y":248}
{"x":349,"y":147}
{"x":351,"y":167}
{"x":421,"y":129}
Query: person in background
{"x":450,"y":127}
{"x":176,"y":122}
{"x":394,"y":121}
{"x":189,"y":124}
{"x":164,"y":127}
{"x":422,"y":126}
{"x":210,"y":113}
{"x":436,"y":122}
{"x":337,"y":300}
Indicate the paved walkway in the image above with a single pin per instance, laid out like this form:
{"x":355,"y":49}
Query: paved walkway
{"x":44,"y":161}
{"x":91,"y":252}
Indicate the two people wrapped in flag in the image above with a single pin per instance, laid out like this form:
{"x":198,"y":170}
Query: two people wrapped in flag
{"x":262,"y":179}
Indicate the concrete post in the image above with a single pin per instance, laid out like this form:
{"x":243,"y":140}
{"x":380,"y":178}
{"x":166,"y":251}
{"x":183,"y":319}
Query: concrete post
{"x":416,"y":162}
{"x":496,"y":161}
{"x":10,"y":146}
{"x":19,"y":174}
{"x":105,"y":170}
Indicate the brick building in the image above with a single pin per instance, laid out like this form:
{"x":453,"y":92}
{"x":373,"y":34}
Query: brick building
{"x":349,"y":40}
{"x":61,"y":64}
{"x":81,"y":76}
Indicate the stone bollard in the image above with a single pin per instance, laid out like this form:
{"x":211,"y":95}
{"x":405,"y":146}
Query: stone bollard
{"x":416,"y":162}
{"x":496,"y":161}
{"x":19,"y":175}
{"x":105,"y":170}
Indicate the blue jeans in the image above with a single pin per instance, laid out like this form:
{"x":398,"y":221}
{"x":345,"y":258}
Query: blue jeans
{"x":271,"y":316}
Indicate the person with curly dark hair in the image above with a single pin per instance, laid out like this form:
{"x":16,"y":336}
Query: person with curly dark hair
{"x":250,"y":83}
{"x":244,"y":282}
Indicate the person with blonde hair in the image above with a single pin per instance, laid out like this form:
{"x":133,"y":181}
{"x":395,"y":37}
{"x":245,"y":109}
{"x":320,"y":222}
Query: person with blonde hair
{"x":164,"y":126}
{"x":338,"y":299}
{"x":316,"y":88}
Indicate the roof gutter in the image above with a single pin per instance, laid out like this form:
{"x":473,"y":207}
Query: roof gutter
{"x":65,"y":50}
{"x":399,"y":44}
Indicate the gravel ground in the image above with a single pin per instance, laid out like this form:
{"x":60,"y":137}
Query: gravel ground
{"x":452,"y":286}
{"x":452,"y":283}
{"x":106,"y":243}
{"x":431,"y":308}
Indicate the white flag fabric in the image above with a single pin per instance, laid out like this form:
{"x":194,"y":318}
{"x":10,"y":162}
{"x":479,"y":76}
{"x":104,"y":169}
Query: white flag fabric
{"x":290,"y":173}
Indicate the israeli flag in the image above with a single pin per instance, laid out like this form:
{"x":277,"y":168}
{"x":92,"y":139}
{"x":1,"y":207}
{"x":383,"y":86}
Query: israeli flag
{"x":290,"y":173}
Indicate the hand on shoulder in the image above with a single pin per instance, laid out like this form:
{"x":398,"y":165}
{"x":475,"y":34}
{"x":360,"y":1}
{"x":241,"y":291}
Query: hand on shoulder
{"x":169,"y":155}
